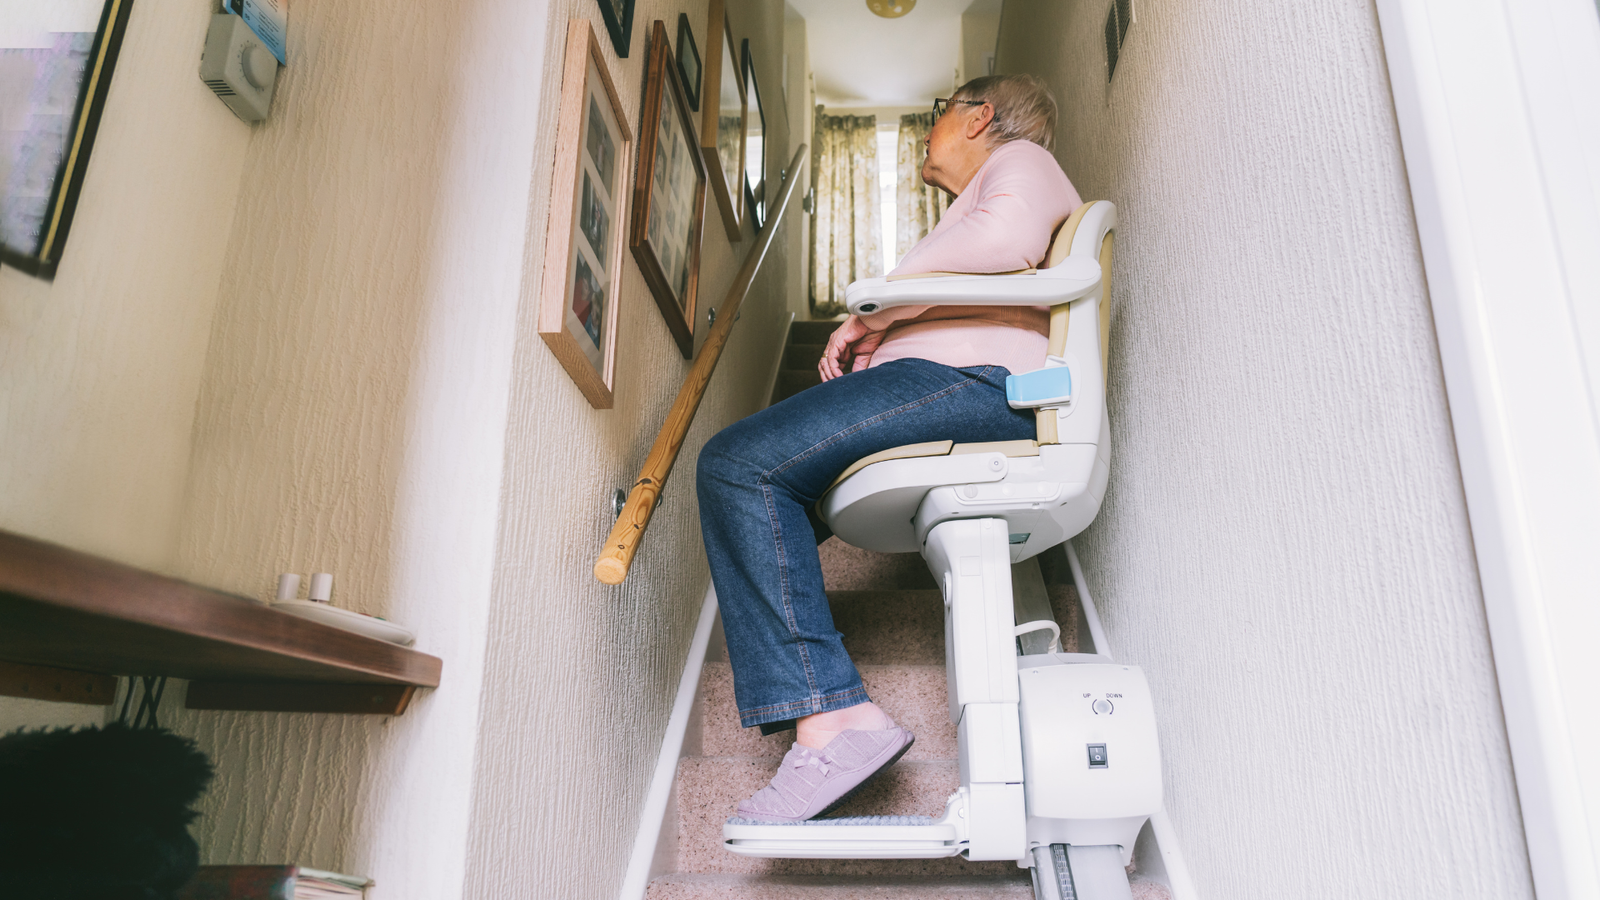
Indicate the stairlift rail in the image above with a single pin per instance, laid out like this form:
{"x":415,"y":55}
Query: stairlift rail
{"x":613,"y":564}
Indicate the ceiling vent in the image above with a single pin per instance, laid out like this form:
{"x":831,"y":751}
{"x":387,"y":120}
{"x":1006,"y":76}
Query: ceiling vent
{"x":1118,"y":17}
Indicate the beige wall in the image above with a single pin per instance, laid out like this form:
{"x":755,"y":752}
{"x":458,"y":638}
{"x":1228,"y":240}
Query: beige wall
{"x":980,"y":28}
{"x":100,"y":368}
{"x":346,"y":379}
{"x":1284,"y":546}
{"x":800,"y":100}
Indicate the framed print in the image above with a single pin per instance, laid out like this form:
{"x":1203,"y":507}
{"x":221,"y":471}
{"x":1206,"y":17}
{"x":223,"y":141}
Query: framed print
{"x":755,"y":146}
{"x":688,"y":62}
{"x":619,"y":22}
{"x":588,"y":205}
{"x":55,"y":72}
{"x":669,"y":194}
{"x":722,"y":122}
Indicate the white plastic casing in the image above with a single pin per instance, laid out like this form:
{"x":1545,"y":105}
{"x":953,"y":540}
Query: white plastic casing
{"x":1066,"y":708}
{"x":238,"y":67}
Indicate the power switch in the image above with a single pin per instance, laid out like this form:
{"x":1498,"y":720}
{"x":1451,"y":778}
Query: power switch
{"x":1097,"y":756}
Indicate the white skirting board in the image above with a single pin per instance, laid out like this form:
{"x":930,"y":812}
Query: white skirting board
{"x":655,"y":847}
{"x":651,"y":856}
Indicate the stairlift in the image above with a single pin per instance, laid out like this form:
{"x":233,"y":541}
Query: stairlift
{"x":1059,"y":762}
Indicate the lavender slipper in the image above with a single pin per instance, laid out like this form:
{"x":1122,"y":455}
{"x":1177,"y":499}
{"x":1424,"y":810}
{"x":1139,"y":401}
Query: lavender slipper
{"x":811,"y":783}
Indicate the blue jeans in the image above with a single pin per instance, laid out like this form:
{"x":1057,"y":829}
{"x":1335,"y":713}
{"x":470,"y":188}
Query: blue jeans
{"x":759,"y":478}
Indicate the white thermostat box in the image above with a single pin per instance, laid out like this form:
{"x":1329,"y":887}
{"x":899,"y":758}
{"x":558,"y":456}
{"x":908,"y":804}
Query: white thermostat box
{"x":1089,"y":747}
{"x":238,"y":67}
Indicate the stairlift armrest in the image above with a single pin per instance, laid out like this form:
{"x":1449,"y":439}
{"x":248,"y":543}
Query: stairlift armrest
{"x":1075,"y":277}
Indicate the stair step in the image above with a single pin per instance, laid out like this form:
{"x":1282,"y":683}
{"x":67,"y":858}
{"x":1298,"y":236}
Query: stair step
{"x":799,"y":887}
{"x":802,"y":356}
{"x":709,"y":791}
{"x":889,"y":628}
{"x":914,"y":695}
{"x":791,"y":382}
{"x":812,"y":331}
{"x":849,"y":568}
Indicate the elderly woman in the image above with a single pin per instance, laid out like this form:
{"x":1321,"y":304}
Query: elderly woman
{"x":902,"y":376}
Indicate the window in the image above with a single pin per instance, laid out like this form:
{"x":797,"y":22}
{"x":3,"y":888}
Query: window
{"x":888,"y":139}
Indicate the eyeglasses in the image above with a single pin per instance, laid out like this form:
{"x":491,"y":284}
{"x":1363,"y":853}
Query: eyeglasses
{"x":940,"y":104}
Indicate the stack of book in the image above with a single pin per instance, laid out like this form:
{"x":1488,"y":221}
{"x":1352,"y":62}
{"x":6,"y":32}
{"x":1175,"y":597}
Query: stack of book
{"x":272,"y":883}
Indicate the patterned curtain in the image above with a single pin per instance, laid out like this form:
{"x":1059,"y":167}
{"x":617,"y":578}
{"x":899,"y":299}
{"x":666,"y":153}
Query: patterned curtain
{"x":846,"y":222}
{"x":917,"y":205}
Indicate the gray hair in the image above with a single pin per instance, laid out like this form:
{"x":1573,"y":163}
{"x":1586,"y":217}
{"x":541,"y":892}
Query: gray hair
{"x":1023,"y":108}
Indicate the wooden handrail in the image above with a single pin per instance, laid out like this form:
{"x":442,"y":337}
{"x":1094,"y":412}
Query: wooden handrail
{"x":613,"y":564}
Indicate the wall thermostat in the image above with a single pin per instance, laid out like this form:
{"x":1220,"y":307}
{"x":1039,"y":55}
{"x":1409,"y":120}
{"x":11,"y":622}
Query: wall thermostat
{"x":238,"y":67}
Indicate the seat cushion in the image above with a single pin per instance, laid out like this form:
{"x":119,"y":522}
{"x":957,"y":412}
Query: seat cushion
{"x":938,"y":448}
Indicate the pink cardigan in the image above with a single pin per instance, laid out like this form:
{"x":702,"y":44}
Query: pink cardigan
{"x":1002,"y":222}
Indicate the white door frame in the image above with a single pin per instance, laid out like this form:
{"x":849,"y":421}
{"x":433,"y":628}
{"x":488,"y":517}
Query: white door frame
{"x":1498,"y":103}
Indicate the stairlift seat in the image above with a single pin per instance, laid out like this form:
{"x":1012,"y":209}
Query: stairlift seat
{"x":1061,"y":752}
{"x":1047,"y":489}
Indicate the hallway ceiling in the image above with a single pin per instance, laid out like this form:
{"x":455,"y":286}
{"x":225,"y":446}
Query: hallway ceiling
{"x":860,"y":59}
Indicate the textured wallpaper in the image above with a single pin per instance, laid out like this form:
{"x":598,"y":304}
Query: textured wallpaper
{"x":1284,"y":545}
{"x":377,"y":404}
{"x":581,"y":676}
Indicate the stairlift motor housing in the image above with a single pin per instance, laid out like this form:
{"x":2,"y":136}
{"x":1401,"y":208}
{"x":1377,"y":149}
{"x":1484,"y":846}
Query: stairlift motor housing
{"x":1090,"y":750}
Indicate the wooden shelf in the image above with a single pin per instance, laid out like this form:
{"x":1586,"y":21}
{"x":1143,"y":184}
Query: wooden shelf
{"x":70,"y":610}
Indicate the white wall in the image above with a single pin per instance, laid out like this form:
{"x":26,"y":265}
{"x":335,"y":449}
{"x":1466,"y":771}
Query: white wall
{"x":100,"y":368}
{"x":1284,"y":546}
{"x":353,"y":414}
{"x":581,"y":676}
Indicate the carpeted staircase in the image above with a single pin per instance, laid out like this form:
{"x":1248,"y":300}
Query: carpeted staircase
{"x":890,"y":613}
{"x":799,"y":368}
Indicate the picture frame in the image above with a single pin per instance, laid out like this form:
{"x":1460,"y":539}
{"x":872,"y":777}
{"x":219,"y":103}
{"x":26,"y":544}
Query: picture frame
{"x":722,"y":117}
{"x":669,"y":194}
{"x":618,"y":16}
{"x":50,"y":157}
{"x":689,"y":65}
{"x":755,"y":145}
{"x":583,"y":252}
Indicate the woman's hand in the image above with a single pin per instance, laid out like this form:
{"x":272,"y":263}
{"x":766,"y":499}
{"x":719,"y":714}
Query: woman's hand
{"x":851,"y":344}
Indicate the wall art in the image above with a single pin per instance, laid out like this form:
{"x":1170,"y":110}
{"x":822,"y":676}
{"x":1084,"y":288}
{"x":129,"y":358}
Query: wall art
{"x":55,"y":72}
{"x":722,"y":122}
{"x":619,"y":22}
{"x":755,"y":145}
{"x":669,"y":194}
{"x":583,"y":253}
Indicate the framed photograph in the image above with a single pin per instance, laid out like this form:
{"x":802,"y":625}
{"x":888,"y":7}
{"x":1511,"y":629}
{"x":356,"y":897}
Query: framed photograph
{"x":583,"y":251}
{"x":688,"y":62}
{"x":669,"y":194}
{"x":722,"y":122}
{"x":755,"y":147}
{"x":619,"y":22}
{"x":54,"y":77}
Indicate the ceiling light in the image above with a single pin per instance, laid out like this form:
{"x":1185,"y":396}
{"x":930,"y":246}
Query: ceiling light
{"x":890,"y":9}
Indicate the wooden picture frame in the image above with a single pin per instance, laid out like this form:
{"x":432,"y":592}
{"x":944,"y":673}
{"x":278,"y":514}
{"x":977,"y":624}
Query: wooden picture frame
{"x":618,"y":15}
{"x":669,"y":194}
{"x":755,"y":145}
{"x":583,"y":252}
{"x":54,"y":155}
{"x":690,"y":68}
{"x":722,"y":122}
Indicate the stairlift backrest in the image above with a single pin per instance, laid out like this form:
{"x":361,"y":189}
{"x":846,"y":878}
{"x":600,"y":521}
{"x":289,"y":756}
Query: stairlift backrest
{"x":1048,"y":491}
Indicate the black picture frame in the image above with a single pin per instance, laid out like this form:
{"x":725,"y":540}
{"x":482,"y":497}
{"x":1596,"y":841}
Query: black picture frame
{"x":42,"y":258}
{"x":690,"y":68}
{"x":618,"y":15}
{"x":755,"y":154}
{"x":669,"y":199}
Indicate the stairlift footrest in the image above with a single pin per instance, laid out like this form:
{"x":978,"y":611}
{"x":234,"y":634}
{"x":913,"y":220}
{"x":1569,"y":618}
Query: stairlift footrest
{"x":856,"y":837}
